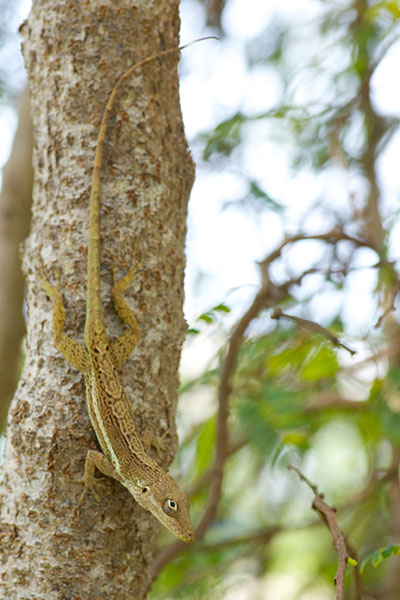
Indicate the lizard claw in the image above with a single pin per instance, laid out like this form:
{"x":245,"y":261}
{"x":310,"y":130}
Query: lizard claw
{"x":123,"y":284}
{"x":51,"y":290}
{"x":89,"y":485}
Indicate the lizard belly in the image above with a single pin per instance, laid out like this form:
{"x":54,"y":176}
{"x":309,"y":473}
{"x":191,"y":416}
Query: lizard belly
{"x":113,"y":420}
{"x":99,"y":427}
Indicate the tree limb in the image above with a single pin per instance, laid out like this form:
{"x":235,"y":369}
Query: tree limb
{"x":312,"y":326}
{"x":328,"y":516}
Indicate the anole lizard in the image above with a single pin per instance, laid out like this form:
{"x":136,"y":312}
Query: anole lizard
{"x":111,"y":413}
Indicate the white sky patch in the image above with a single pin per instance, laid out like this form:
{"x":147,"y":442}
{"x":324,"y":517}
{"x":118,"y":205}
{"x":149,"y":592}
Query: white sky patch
{"x":387,"y":103}
{"x":8,"y":124}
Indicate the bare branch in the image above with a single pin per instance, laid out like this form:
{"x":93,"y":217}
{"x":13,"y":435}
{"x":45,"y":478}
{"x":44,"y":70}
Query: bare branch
{"x":312,"y":326}
{"x":269,"y":295}
{"x":222,"y":441}
{"x":385,"y":47}
{"x":328,"y":516}
{"x":326,"y":401}
{"x":332,"y":237}
{"x":207,"y":475}
{"x":262,"y":536}
{"x":391,"y":307}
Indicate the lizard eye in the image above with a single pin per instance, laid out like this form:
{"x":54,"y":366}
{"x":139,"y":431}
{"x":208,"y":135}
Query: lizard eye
{"x":170,"y":507}
{"x":145,"y":490}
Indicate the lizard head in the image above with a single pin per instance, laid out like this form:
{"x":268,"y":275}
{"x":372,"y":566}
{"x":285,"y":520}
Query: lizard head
{"x":168,"y":504}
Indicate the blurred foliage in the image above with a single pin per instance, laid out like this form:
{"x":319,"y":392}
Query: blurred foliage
{"x":295,"y":398}
{"x":328,"y":121}
{"x":375,"y":558}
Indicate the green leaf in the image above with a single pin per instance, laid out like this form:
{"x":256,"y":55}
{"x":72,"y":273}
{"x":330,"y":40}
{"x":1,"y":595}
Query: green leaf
{"x":225,"y":137}
{"x":222,"y":308}
{"x":256,"y":199}
{"x":206,"y":317}
{"x":378,"y":556}
{"x":296,"y":438}
{"x":321,"y":363}
{"x":315,"y":359}
{"x":254,"y":422}
{"x":257,"y":192}
{"x":205,"y":446}
{"x":291,"y":356}
{"x":383,"y":395}
{"x":210,"y":315}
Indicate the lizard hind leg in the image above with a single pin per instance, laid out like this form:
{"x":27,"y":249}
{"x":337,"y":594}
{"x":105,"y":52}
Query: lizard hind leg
{"x":95,"y":459}
{"x":123,"y":346}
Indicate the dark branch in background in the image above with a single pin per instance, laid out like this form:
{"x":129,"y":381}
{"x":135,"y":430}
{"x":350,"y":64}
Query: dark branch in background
{"x":214,"y":10}
{"x":391,"y":307}
{"x":331,"y":237}
{"x":222,"y":439}
{"x":328,"y":401}
{"x":383,"y":51}
{"x":312,"y":326}
{"x":344,"y":550}
{"x":345,"y":270}
{"x":377,"y":134}
{"x":357,"y":590}
{"x":260,"y":537}
{"x":269,"y":295}
{"x":206,"y":476}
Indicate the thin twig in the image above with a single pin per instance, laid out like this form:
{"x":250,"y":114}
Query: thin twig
{"x":391,"y":307}
{"x":335,"y":401}
{"x":333,"y":237}
{"x":206,"y":476}
{"x":328,"y":516}
{"x":312,"y":326}
{"x":262,"y":536}
{"x":385,"y":47}
{"x":357,"y":591}
{"x":269,"y":295}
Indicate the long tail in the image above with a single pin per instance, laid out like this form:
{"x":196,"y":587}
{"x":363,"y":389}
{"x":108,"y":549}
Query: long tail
{"x":93,"y":273}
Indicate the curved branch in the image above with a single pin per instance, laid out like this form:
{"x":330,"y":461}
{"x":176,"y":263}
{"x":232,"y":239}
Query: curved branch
{"x":312,"y":326}
{"x":222,"y":441}
{"x":332,"y":237}
{"x":328,"y":516}
{"x":269,"y":295}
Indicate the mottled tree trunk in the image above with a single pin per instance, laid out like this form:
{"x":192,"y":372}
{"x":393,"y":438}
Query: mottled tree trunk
{"x":74,"y":53}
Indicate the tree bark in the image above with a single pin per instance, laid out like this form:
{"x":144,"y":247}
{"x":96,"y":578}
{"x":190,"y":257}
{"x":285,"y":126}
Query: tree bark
{"x":74,"y":53}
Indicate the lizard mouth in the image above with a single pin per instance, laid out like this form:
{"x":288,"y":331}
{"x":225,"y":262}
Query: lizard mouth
{"x":189,"y":537}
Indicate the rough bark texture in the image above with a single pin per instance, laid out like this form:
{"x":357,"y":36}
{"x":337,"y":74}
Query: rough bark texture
{"x":15,"y":211}
{"x":74,"y":52}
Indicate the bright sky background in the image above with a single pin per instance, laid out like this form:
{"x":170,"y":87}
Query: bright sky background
{"x":224,"y":245}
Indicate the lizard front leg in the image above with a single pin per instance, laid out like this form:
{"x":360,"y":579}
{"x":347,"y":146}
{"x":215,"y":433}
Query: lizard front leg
{"x":123,"y":346}
{"x":74,"y":352}
{"x":95,"y":459}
